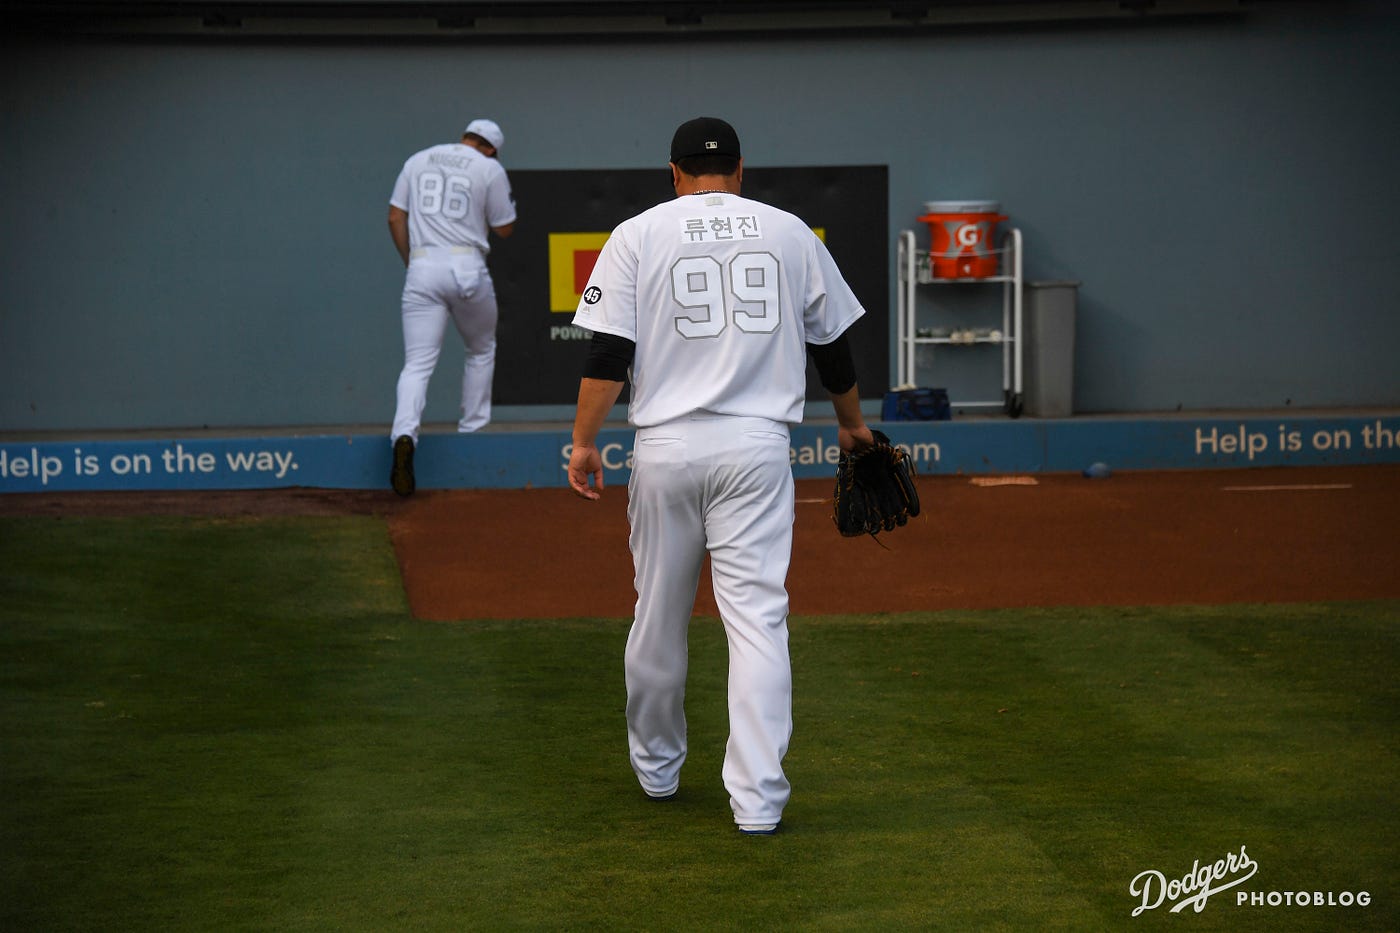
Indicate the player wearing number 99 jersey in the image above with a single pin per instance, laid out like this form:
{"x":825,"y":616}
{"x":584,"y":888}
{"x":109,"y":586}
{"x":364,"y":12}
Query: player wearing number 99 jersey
{"x":721,"y":294}
{"x":446,"y":201}
{"x":710,"y":304}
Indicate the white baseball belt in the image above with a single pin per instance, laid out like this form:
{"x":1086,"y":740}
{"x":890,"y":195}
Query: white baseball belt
{"x":441,"y":252}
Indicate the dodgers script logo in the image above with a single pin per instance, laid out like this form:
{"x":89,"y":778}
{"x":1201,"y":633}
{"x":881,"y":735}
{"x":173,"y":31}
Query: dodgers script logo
{"x":1194,"y":887}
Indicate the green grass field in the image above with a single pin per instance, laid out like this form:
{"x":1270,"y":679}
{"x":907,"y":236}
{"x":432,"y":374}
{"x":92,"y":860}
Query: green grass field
{"x":234,"y":724}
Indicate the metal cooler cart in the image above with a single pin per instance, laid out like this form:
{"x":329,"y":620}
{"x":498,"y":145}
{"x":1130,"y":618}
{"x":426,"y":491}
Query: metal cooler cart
{"x":914,"y":268}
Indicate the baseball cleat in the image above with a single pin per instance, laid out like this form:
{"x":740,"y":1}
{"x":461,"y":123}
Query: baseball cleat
{"x":763,"y":829}
{"x":401,"y":477}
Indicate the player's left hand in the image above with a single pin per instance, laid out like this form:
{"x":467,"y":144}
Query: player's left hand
{"x":586,"y":463}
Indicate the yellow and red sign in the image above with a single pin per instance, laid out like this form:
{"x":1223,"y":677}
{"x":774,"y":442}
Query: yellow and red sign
{"x":571,"y":260}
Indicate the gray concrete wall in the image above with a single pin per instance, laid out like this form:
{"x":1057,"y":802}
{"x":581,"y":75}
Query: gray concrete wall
{"x":197,"y":233}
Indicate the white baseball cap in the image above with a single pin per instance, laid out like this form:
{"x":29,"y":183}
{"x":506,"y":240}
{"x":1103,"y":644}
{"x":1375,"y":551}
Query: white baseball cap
{"x":487,"y":130}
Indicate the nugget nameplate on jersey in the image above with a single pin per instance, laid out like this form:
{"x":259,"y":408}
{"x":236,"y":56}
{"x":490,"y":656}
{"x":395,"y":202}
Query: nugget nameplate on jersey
{"x":719,"y":229}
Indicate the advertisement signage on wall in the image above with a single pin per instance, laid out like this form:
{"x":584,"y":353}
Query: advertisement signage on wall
{"x":518,"y":459}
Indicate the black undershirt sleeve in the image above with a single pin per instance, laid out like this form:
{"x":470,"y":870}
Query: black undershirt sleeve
{"x":609,"y":357}
{"x":835,"y":366}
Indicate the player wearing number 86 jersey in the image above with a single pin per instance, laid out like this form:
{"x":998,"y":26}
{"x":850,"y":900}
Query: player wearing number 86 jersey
{"x":446,"y":202}
{"x":710,"y":304}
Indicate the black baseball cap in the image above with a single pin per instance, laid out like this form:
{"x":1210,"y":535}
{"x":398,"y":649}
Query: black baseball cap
{"x":704,"y":136}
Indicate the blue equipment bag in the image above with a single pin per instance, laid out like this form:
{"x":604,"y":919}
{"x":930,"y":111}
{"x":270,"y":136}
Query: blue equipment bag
{"x":916,"y":405}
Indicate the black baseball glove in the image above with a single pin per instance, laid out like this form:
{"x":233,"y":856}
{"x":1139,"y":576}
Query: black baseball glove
{"x":874,"y":489}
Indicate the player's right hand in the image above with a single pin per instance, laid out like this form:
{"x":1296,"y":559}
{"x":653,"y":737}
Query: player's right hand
{"x":853,"y":439}
{"x":585,"y":463}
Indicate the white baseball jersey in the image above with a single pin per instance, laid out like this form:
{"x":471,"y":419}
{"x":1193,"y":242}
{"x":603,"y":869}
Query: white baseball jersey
{"x":721,"y":294}
{"x":453,"y":195}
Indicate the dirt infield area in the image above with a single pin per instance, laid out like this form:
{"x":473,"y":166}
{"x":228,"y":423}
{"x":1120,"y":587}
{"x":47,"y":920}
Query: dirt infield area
{"x":1217,"y":536}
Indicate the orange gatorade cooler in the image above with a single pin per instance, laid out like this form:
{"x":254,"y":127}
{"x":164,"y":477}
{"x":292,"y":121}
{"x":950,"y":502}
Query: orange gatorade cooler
{"x":962,"y":235}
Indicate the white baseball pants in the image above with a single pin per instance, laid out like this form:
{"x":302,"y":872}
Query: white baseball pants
{"x":442,"y":284}
{"x":721,"y":485}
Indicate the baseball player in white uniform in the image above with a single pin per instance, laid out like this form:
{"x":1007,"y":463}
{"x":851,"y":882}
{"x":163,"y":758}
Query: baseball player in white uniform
{"x":446,"y":199}
{"x":709,"y":304}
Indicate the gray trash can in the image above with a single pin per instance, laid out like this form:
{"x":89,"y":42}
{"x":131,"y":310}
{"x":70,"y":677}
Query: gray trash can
{"x":1048,"y":377}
